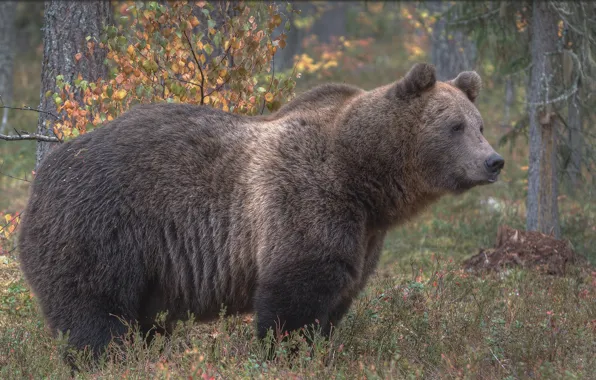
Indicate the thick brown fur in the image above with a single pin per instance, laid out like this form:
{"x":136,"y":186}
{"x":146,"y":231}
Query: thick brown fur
{"x":181,"y":208}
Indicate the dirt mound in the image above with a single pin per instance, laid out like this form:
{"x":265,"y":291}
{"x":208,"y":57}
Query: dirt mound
{"x":528,"y":249}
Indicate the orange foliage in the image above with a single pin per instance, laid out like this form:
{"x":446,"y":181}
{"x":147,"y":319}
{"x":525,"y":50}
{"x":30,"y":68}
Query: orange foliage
{"x":164,"y":52}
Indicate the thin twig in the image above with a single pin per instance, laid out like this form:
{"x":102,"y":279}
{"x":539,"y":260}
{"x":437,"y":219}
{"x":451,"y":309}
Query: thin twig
{"x":9,"y":176}
{"x":17,"y":178}
{"x":199,"y":66}
{"x":27,"y":108}
{"x":223,"y":57}
{"x":498,"y":361}
{"x":270,"y":83}
{"x":473,"y":19}
{"x":219,"y":87}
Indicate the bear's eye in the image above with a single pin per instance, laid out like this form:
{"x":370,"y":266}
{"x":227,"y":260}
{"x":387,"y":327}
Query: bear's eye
{"x":457,"y":128}
{"x":482,"y":129}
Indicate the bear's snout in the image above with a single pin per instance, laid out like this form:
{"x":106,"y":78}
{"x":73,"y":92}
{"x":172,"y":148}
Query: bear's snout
{"x":494,"y":163}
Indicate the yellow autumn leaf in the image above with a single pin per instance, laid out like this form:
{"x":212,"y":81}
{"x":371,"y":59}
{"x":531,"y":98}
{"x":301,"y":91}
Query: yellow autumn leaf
{"x":222,"y":73}
{"x":524,"y":168}
{"x":120,"y":94}
{"x":130,"y":50}
{"x":269,"y":97}
{"x":8,"y":218}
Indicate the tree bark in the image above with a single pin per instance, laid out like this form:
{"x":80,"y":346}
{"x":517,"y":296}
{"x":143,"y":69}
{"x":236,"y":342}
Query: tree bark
{"x":574,"y":120}
{"x":509,"y":96}
{"x":7,"y":53}
{"x":67,"y":24}
{"x":542,"y":205}
{"x":451,"y":51}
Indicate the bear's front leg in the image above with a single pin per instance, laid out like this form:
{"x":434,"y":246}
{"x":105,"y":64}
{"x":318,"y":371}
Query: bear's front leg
{"x":303,"y":292}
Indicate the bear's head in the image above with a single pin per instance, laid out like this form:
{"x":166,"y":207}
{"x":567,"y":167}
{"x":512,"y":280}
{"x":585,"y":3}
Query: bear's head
{"x":451,"y":150}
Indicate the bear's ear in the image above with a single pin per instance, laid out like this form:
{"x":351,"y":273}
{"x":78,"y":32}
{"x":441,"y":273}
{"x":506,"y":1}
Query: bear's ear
{"x":421,"y":77}
{"x":469,"y":82}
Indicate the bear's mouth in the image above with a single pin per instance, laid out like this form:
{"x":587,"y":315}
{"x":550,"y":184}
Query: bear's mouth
{"x":493,"y":177}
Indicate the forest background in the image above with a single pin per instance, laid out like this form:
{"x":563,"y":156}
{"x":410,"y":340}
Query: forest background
{"x":66,"y":68}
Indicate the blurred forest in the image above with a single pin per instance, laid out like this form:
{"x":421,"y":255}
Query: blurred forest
{"x":68,"y":67}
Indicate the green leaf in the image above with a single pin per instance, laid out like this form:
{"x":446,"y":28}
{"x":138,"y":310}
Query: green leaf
{"x":211,"y":23}
{"x":217,"y":39}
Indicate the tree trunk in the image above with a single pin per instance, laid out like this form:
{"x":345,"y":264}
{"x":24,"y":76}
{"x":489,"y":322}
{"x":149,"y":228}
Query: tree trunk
{"x":509,"y":96}
{"x":451,"y":51}
{"x":542,"y":206}
{"x":7,"y":52}
{"x":332,"y":22}
{"x":574,"y":120}
{"x":67,"y":24}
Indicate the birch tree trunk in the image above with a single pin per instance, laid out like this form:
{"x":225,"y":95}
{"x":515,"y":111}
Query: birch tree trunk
{"x":542,"y":206}
{"x":7,"y":53}
{"x":67,"y":24}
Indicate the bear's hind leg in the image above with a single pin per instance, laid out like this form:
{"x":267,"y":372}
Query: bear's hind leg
{"x":89,"y":327}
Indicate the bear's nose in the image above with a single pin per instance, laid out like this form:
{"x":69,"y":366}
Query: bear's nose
{"x":495,"y":162}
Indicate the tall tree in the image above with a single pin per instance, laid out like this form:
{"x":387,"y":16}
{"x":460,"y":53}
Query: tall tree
{"x":7,"y":52}
{"x":509,"y":97}
{"x":543,"y":181}
{"x":451,"y":51}
{"x":529,"y":37}
{"x":332,"y":22}
{"x":71,"y":37}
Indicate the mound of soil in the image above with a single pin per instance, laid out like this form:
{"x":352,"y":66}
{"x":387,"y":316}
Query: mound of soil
{"x":527,"y":249}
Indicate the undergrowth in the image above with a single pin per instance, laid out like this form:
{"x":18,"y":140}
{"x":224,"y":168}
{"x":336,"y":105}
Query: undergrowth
{"x":434,"y":322}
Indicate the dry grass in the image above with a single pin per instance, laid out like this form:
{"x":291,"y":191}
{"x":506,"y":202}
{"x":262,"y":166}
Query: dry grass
{"x":438,"y":322}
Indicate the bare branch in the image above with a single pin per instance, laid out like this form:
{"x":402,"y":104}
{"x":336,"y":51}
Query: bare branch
{"x":17,"y":178}
{"x":27,"y":108}
{"x":270,"y":83}
{"x":473,"y":19}
{"x":29,"y":136}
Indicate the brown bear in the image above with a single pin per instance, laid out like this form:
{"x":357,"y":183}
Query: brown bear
{"x":181,"y":208}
